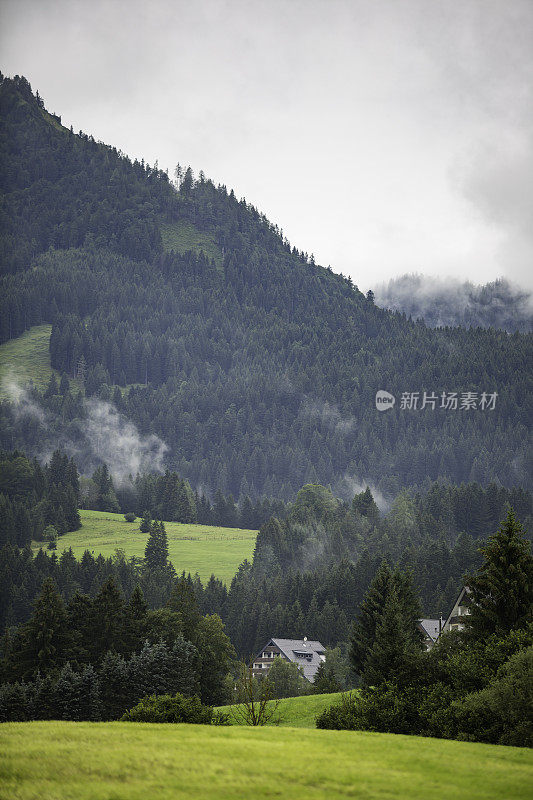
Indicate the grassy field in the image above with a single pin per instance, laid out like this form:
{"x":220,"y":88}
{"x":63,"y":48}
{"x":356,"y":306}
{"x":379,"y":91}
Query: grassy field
{"x":298,"y":712}
{"x":134,"y":761}
{"x":193,"y":548}
{"x":183,"y":236}
{"x":28,"y":356}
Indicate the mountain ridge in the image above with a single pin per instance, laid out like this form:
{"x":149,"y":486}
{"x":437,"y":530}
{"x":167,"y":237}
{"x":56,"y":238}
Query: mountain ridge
{"x":260,"y":373}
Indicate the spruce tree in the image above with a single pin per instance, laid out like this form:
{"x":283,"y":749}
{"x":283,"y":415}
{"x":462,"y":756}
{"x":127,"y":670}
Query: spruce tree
{"x":373,"y":610}
{"x":116,"y":692}
{"x":107,"y":621}
{"x":183,"y":600}
{"x":393,"y":654}
{"x":135,"y":621}
{"x":46,"y":638}
{"x":156,"y":550}
{"x":369,"y":617}
{"x":146,"y":522}
{"x":502,"y":588}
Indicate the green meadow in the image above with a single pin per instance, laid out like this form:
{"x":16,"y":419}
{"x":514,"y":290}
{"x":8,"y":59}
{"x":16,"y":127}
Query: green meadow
{"x":295,"y":712}
{"x":27,"y":356}
{"x":183,"y":236}
{"x":204,"y":549}
{"x":140,"y":761}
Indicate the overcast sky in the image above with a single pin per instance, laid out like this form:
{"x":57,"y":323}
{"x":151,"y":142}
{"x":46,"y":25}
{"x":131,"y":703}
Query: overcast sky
{"x":384,"y":136}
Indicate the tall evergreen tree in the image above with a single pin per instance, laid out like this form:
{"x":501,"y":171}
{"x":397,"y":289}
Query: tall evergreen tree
{"x":183,"y":600}
{"x":393,"y":656}
{"x":502,"y":588}
{"x":45,"y":638}
{"x":107,"y":621}
{"x":156,"y":550}
{"x":370,"y":613}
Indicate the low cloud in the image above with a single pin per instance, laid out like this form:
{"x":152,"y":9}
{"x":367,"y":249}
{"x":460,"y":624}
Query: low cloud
{"x":328,"y":415}
{"x":448,"y":301}
{"x":348,"y":486}
{"x":104,"y":435}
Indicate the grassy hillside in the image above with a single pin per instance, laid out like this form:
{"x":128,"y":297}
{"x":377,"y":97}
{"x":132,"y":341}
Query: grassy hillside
{"x":27,"y":356}
{"x":117,"y":760}
{"x":182,"y":236}
{"x":298,"y":712}
{"x":194,"y":548}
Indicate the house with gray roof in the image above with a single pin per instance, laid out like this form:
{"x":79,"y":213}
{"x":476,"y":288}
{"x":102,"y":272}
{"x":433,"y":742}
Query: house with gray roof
{"x":431,"y":630}
{"x":460,"y":610}
{"x":306,"y":653}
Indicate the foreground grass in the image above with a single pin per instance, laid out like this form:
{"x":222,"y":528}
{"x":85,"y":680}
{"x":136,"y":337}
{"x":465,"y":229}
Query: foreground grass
{"x":27,"y":357}
{"x":297,"y":712}
{"x":194,"y":548}
{"x":183,"y":236}
{"x":120,"y":760}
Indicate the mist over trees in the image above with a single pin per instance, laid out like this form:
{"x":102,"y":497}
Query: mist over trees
{"x":443,"y":302}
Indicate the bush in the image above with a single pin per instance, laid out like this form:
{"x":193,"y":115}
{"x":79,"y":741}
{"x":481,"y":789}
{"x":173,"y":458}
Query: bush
{"x":174,"y":708}
{"x":386,"y":709}
{"x":50,"y":535}
{"x":340,"y":716}
{"x":502,"y":713}
{"x":130,"y":516}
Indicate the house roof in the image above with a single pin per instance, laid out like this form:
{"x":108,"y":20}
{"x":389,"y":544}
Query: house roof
{"x":431,"y":627}
{"x":464,"y":591}
{"x":292,"y":648}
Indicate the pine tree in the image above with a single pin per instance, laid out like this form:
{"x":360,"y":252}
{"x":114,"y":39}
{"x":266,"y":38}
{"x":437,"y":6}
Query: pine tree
{"x":107,"y":621}
{"x":393,"y":656}
{"x":369,"y":617}
{"x":156,"y":550}
{"x":46,"y":638}
{"x":135,"y":620}
{"x":146,"y":522}
{"x":502,"y":588}
{"x":183,"y":600}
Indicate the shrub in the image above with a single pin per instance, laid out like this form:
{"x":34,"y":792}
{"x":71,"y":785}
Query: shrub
{"x":130,"y":516}
{"x":50,"y":536}
{"x":340,"y":716}
{"x":502,"y":713}
{"x":174,"y":708}
{"x":386,"y":709}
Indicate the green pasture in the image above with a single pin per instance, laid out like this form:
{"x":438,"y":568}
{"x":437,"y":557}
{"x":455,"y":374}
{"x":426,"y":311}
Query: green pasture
{"x":183,"y":236}
{"x":296,"y":712}
{"x":194,"y":548}
{"x":139,"y":761}
{"x":26,"y":357}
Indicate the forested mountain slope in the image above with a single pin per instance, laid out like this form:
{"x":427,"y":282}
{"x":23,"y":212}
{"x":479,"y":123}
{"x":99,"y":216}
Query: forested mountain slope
{"x":257,"y":367}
